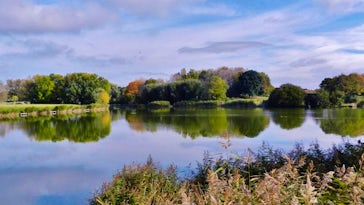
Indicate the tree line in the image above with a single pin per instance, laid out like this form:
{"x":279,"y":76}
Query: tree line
{"x":211,"y":84}
{"x":74,"y":88}
{"x":193,"y":85}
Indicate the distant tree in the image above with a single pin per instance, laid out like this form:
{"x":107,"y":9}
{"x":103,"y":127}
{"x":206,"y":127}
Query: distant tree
{"x":192,"y":74}
{"x":188,"y":90}
{"x":151,"y":81}
{"x":81,"y":88}
{"x":267,"y":86}
{"x":153,"y":92}
{"x":320,"y":99}
{"x":19,"y":88}
{"x":250,"y":83}
{"x":343,"y":88}
{"x":230,"y":75}
{"x":133,"y":90}
{"x":58,"y":93}
{"x":216,"y":88}
{"x":115,"y":94}
{"x":3,"y":93}
{"x":287,"y":95}
{"x":102,"y":97}
{"x":43,"y":89}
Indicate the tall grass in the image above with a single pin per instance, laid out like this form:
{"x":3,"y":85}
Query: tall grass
{"x":267,"y":177}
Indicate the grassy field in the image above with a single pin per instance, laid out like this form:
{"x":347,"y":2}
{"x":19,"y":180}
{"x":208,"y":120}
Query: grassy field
{"x":10,"y":111}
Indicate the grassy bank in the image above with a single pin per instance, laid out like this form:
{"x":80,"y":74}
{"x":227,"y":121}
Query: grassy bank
{"x":231,"y":103}
{"x":11,"y":111}
{"x":312,"y":176}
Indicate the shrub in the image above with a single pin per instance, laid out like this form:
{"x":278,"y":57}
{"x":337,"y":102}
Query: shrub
{"x":287,"y":95}
{"x":159,"y":104}
{"x":360,"y":104}
{"x":198,"y":104}
{"x":240,"y":103}
{"x":140,"y":184}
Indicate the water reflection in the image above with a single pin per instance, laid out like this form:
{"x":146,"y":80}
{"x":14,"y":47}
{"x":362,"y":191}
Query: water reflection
{"x":343,"y":122}
{"x":201,"y":122}
{"x":288,"y":118}
{"x":85,"y":128}
{"x":244,"y":122}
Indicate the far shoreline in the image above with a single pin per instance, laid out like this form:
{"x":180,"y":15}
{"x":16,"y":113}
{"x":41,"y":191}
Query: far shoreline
{"x":17,"y":111}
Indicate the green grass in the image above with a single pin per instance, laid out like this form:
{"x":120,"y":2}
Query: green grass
{"x":11,"y":111}
{"x":17,"y":108}
{"x":245,"y":102}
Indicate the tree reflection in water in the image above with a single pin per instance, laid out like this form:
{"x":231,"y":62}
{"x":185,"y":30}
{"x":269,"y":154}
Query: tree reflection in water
{"x":201,"y":122}
{"x":343,"y":122}
{"x":85,"y":128}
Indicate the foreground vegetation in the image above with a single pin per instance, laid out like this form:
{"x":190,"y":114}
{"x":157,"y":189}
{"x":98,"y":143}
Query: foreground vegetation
{"x":312,"y":176}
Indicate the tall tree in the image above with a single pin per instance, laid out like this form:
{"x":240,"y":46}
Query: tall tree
{"x":42,"y":89}
{"x":250,"y":83}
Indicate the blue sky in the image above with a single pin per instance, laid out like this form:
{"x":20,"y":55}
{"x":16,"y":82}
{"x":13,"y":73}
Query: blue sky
{"x":299,"y":42}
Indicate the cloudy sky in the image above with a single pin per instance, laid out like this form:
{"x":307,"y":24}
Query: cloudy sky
{"x":296,"y":41}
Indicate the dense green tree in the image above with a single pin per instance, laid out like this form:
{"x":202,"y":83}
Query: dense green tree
{"x":216,"y":88}
{"x":287,"y":95}
{"x":154,"y":92}
{"x":250,"y":83}
{"x":58,"y":93}
{"x":343,"y":88}
{"x":116,"y":94}
{"x":43,"y":89}
{"x":82,"y":88}
{"x":187,"y":90}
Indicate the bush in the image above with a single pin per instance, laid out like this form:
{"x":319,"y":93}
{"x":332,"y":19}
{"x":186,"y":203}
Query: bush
{"x":287,"y":95}
{"x":159,"y":104}
{"x":197,"y":104}
{"x":360,"y":104}
{"x":140,"y":184}
{"x":240,"y":103}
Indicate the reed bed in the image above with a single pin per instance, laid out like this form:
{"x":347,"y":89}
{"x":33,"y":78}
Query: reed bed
{"x":291,"y":178}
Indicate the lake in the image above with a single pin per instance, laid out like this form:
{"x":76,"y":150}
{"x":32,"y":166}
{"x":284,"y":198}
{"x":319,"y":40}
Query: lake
{"x":64,"y":159}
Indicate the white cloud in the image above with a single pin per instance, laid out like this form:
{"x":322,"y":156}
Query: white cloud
{"x":213,"y":10}
{"x":342,"y":6}
{"x":23,"y":16}
{"x":155,"y":7}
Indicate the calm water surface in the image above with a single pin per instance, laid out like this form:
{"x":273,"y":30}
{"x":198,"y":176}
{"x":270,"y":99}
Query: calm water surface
{"x":63,"y":160}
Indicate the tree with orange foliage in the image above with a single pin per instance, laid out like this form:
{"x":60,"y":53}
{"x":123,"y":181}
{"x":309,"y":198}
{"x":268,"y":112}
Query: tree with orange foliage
{"x":133,"y":90}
